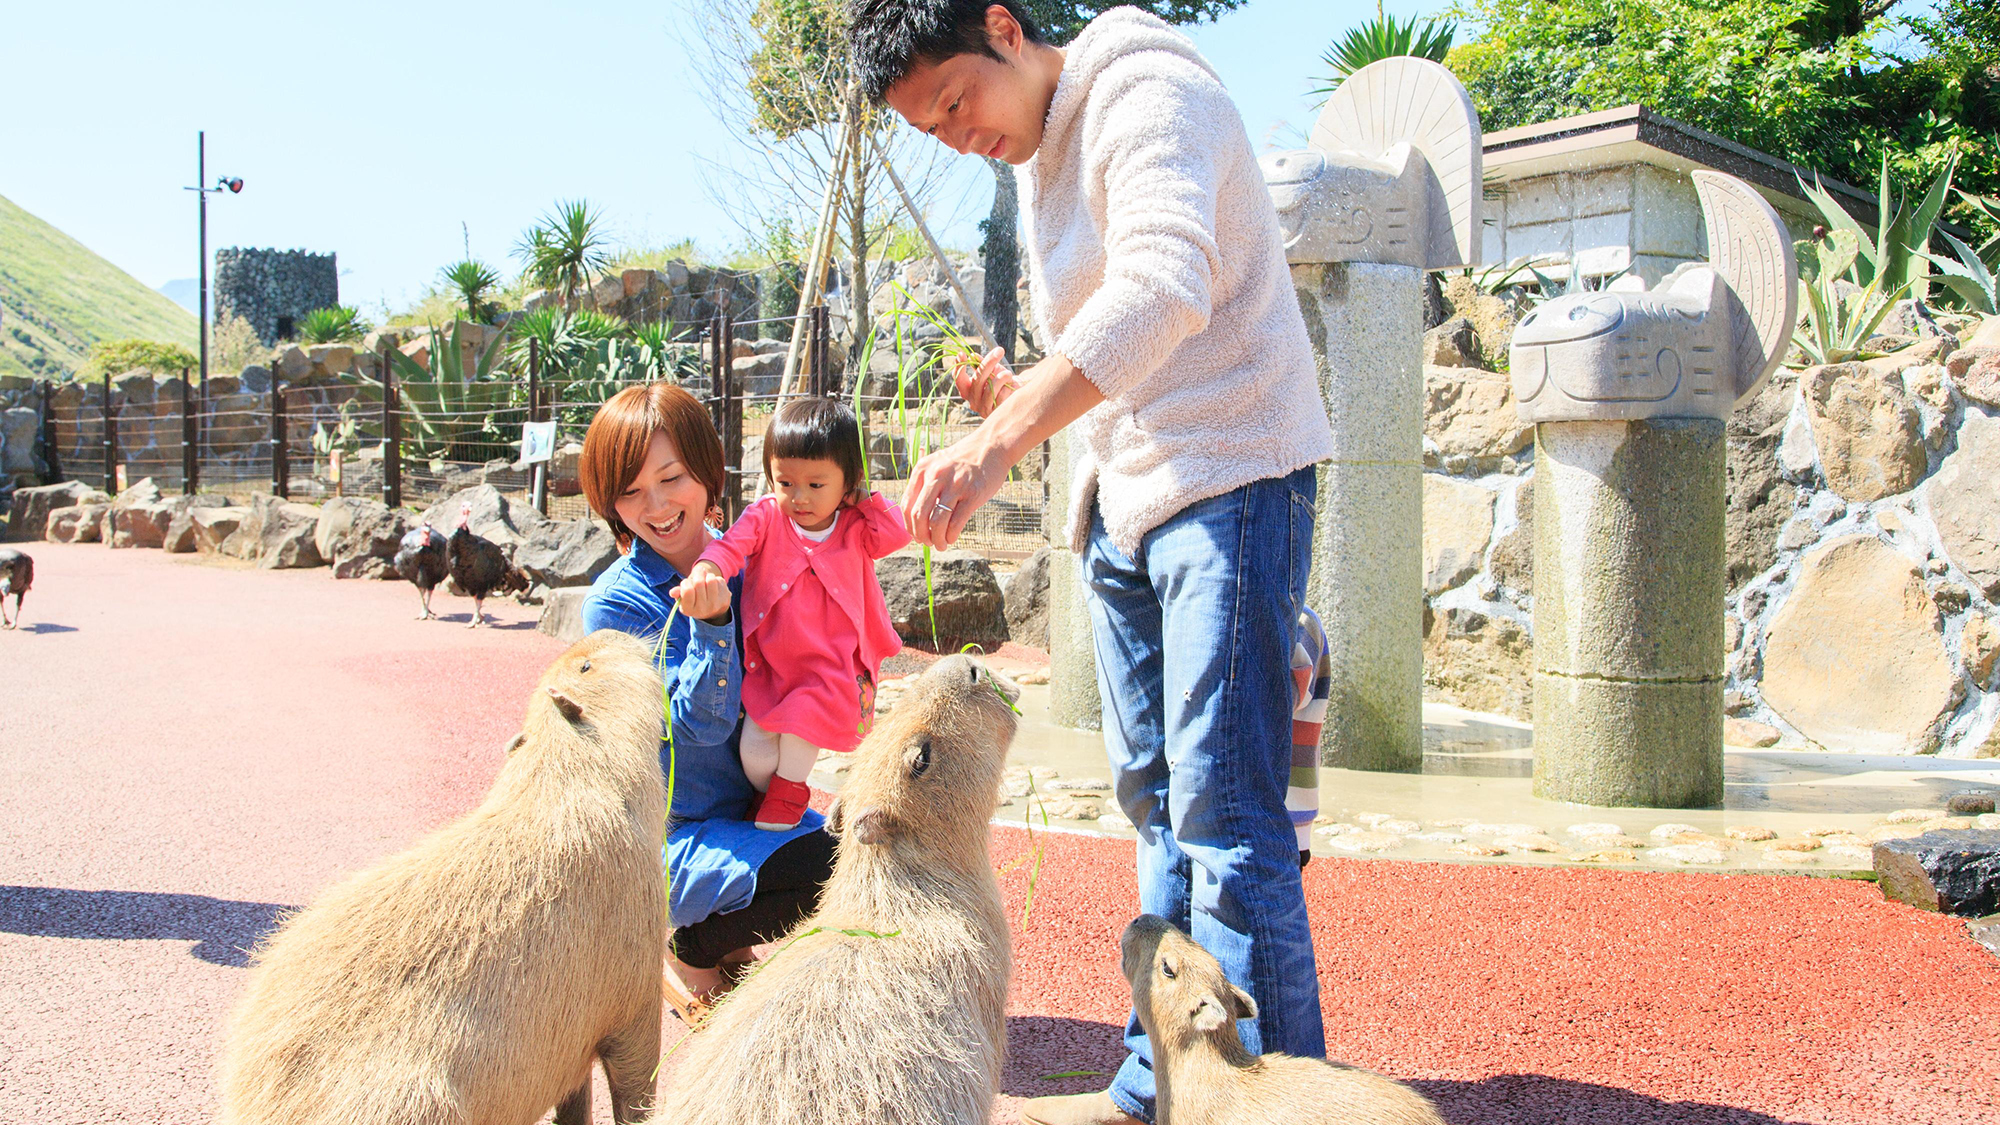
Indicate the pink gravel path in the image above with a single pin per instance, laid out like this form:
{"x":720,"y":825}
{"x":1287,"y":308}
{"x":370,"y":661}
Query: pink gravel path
{"x":192,"y":747}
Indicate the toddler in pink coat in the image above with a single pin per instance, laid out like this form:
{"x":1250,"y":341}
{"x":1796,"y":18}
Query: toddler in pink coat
{"x":815,"y":626}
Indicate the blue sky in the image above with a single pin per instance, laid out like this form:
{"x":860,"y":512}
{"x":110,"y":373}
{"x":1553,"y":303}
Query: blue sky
{"x":375,"y":129}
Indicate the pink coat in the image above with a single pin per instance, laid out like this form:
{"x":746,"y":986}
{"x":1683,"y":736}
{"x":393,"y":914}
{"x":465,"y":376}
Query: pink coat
{"x":815,"y":626}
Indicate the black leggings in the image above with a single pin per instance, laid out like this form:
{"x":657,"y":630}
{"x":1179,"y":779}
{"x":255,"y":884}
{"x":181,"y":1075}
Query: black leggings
{"x":788,"y":887}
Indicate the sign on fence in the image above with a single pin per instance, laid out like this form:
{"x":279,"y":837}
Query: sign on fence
{"x":538,"y":442}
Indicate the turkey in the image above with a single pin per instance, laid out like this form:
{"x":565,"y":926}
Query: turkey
{"x":420,"y":559}
{"x":17,"y":573}
{"x":478,"y":565}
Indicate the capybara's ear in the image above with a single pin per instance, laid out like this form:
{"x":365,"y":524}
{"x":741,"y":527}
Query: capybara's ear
{"x":569,"y":707}
{"x":872,"y":826}
{"x":515,"y":742}
{"x":1208,"y":1016}
{"x":1246,"y":1008}
{"x":834,"y":819}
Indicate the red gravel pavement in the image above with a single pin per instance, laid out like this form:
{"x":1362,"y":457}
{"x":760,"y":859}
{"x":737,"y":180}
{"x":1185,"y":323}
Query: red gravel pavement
{"x":190,"y":748}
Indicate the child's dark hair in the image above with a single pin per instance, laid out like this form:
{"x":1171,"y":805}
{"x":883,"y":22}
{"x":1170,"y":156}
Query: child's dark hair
{"x":816,"y":429}
{"x":888,"y":37}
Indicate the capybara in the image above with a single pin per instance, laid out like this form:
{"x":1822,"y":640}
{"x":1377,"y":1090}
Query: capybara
{"x":471,"y":979}
{"x":888,"y":1006}
{"x":1202,"y":1074}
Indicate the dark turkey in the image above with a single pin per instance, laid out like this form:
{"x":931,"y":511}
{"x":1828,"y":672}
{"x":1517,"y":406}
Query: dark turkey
{"x":17,"y":573}
{"x":478,"y":565}
{"x":420,"y":560}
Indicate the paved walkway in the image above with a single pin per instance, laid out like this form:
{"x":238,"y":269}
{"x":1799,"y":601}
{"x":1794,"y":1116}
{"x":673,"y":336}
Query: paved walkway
{"x":186,"y":749}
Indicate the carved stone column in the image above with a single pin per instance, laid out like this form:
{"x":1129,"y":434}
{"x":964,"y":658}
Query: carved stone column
{"x":1630,"y":391}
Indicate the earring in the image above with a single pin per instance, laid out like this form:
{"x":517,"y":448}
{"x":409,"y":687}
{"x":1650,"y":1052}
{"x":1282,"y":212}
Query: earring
{"x":715,"y":516}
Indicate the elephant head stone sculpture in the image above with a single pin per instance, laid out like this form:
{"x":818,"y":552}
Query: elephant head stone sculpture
{"x":1393,"y":174}
{"x":1705,"y":337}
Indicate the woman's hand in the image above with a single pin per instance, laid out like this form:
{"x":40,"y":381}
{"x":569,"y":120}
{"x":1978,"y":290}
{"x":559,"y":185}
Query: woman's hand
{"x":704,"y":593}
{"x":986,"y":383}
{"x":855,"y":497}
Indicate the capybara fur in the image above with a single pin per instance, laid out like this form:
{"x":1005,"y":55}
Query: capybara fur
{"x":888,"y":1006}
{"x":471,"y":979}
{"x":1201,"y":1072}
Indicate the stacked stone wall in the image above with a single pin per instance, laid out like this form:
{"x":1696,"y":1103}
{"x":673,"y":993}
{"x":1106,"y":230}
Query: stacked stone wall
{"x":273,"y":289}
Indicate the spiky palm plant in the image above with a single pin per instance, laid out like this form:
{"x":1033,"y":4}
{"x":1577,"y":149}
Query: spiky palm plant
{"x":471,"y":279}
{"x":331,"y":325}
{"x":566,"y":250}
{"x":1383,"y":37}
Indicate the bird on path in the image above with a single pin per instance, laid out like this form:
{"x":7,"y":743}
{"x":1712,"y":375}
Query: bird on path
{"x":17,"y":573}
{"x":420,"y":560}
{"x":479,"y":565}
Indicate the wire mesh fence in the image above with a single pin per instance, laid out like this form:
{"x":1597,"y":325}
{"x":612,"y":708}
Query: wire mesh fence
{"x":415,"y":442}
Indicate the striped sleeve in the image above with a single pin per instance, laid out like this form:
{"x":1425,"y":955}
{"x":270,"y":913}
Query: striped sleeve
{"x":1312,"y":682}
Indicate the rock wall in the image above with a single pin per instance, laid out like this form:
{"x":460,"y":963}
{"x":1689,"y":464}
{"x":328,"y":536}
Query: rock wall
{"x":1863,"y":547}
{"x":273,"y":289}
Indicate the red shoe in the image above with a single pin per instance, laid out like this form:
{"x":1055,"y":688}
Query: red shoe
{"x":783,"y":804}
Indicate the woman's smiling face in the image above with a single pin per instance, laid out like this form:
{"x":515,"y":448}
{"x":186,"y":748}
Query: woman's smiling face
{"x":665,"y":506}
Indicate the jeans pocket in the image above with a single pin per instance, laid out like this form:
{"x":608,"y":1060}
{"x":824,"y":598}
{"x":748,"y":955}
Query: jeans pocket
{"x":1304,"y":518}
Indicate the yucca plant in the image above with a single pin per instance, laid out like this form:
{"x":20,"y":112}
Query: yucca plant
{"x":331,"y":325}
{"x":1383,"y":37}
{"x":566,"y":250}
{"x":456,"y":412}
{"x":471,"y":279}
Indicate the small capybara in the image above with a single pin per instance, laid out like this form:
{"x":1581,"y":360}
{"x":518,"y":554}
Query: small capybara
{"x":888,"y":1006}
{"x":471,"y":979}
{"x":1203,"y":1075}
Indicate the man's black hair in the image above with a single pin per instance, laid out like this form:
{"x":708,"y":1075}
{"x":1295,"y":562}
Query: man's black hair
{"x":886,"y":38}
{"x":816,"y":429}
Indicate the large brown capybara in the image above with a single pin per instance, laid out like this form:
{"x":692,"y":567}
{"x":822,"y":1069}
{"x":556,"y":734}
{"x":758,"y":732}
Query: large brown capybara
{"x":1202,"y":1073}
{"x":888,"y":1006}
{"x":471,"y":979}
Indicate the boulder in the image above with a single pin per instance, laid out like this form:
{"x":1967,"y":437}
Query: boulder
{"x":78,"y":523}
{"x":1758,"y":496}
{"x":562,"y":614}
{"x":1470,"y":415}
{"x":1744,"y":732}
{"x":1458,"y":521}
{"x":1027,"y":601}
{"x":1855,"y":658}
{"x":145,"y":492}
{"x":330,"y":359}
{"x":1952,"y":871}
{"x":351,"y":529}
{"x":562,"y":553}
{"x":503,"y":519}
{"x":1979,"y":647}
{"x":757,"y":375}
{"x":1965,"y":502}
{"x":20,"y":437}
{"x":213,"y":527}
{"x":285,"y":535}
{"x":141,"y":525}
{"x":293,"y":363}
{"x":180,"y":536}
{"x":255,"y":378}
{"x":1976,"y":370}
{"x":1479,"y":662}
{"x":1512,"y":562}
{"x":1492,"y":317}
{"x":1869,"y":435}
{"x":365,"y":566}
{"x":1452,"y":344}
{"x":32,"y":506}
{"x":969,"y":607}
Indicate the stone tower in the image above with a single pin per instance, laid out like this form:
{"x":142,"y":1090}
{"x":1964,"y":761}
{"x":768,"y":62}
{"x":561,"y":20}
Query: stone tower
{"x":273,"y":289}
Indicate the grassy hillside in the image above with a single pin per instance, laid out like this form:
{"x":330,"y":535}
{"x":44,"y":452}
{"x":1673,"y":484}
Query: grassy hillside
{"x":59,"y":298}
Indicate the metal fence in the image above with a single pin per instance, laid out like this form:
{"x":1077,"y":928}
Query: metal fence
{"x":366,"y":435}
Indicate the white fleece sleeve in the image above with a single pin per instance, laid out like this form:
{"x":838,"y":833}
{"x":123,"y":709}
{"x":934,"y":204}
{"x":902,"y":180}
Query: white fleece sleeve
{"x":1154,"y":128}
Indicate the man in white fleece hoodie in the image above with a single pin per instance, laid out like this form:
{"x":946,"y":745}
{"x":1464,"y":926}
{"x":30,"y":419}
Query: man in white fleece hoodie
{"x":1176,"y":345}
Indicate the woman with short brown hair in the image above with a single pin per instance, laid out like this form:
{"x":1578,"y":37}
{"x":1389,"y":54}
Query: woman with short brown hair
{"x":652,"y":468}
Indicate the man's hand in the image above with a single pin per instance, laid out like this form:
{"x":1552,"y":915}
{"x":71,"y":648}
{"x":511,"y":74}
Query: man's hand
{"x":984,"y":384}
{"x":946,"y":488}
{"x":704,"y":594}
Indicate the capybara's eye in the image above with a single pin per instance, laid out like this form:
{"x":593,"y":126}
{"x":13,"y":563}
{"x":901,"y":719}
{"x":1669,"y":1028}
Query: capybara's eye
{"x":922,"y":760}
{"x":585,"y":667}
{"x":1167,"y":970}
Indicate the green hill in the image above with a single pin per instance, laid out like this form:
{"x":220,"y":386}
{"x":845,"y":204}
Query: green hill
{"x":59,"y":298}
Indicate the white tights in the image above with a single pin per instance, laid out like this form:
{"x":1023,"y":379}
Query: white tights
{"x":766,"y":752}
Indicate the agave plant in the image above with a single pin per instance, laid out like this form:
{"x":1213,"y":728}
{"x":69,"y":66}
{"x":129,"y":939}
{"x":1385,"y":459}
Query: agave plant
{"x":1840,"y":315}
{"x":1895,"y":254}
{"x":1384,"y":38}
{"x":1968,"y":277}
{"x":332,"y":325}
{"x":471,"y":279}
{"x":456,"y":411}
{"x":566,"y":250}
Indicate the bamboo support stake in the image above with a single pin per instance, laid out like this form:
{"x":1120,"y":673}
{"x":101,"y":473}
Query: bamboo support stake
{"x":950,"y":274}
{"x":822,"y":250}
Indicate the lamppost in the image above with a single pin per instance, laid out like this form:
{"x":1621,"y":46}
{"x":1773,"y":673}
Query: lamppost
{"x":230,"y":184}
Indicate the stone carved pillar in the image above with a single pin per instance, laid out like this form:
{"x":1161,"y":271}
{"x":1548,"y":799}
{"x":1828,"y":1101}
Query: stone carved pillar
{"x":1630,"y":391}
{"x":1389,"y":189}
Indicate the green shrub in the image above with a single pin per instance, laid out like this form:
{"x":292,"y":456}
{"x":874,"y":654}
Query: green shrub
{"x":116,"y":357}
{"x":331,"y":326}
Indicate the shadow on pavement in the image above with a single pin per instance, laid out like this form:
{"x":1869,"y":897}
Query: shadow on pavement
{"x":1056,"y":1055}
{"x":223,"y":930}
{"x":47,"y":627}
{"x":1537,"y":1099}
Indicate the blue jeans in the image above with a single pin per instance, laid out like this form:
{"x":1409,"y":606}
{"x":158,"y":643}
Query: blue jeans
{"x":1194,"y":642}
